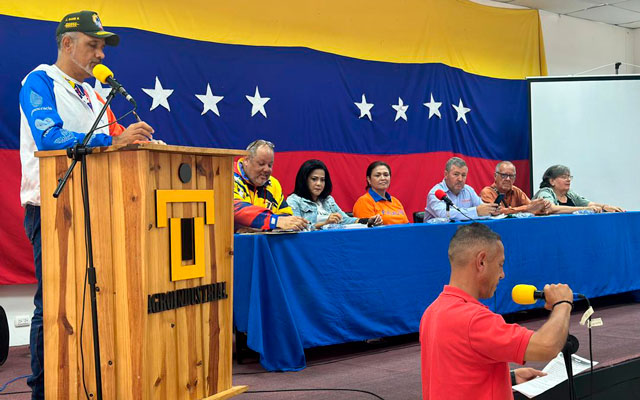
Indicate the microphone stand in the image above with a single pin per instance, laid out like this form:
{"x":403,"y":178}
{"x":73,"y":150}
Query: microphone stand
{"x":459,"y":210}
{"x":79,"y":153}
{"x":569,"y":348}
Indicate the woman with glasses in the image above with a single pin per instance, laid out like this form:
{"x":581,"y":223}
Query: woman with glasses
{"x":556,"y":187}
{"x":312,"y":200}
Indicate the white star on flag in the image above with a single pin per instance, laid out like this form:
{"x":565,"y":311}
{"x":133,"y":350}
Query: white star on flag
{"x":401,"y":110}
{"x":434,"y":107}
{"x":365,"y":108}
{"x":462,"y":111}
{"x":101,"y":90}
{"x":257,"y":103}
{"x":209,"y":101}
{"x":159,"y":95}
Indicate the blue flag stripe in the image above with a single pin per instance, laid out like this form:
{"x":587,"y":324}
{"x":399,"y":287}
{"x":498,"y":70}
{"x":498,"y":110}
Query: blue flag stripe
{"x":312,"y":96}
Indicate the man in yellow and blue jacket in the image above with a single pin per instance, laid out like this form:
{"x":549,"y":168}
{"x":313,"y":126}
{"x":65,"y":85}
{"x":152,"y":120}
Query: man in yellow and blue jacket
{"x":258,"y":199}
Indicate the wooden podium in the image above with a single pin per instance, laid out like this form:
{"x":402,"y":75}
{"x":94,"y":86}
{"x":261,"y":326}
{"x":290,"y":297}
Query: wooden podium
{"x":162,"y":228}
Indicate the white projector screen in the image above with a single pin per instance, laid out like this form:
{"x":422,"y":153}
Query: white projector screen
{"x":592,"y":125}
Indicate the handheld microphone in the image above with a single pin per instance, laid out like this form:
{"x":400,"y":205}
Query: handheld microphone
{"x":441,"y":195}
{"x":526,"y":294}
{"x":104,"y":75}
{"x":529,"y":294}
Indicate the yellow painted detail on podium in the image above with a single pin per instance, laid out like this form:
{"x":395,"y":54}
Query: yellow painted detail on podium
{"x":163,"y":198}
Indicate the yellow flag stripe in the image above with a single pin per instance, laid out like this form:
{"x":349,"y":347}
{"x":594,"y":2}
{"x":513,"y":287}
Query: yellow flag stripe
{"x":490,"y":41}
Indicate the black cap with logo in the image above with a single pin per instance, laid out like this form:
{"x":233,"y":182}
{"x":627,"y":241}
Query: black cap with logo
{"x":88,"y":23}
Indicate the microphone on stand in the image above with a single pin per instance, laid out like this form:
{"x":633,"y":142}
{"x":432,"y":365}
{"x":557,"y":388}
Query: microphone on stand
{"x":441,"y":195}
{"x":102,"y":73}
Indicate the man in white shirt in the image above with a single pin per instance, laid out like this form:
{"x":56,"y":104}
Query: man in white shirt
{"x":462,"y":195}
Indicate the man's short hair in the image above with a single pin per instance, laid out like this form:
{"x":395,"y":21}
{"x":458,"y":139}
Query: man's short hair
{"x":72,"y":35}
{"x":454,"y":161}
{"x":501,"y":163}
{"x":253,"y":147}
{"x":468,"y":236}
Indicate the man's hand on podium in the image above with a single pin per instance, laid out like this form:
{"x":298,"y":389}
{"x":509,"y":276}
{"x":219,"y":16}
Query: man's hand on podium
{"x":139,"y":131}
{"x":152,"y":141}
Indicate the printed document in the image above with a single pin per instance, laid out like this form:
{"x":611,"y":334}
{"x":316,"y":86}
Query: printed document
{"x":557,"y":373}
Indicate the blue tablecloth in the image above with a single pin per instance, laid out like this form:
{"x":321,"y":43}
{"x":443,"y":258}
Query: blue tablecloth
{"x":295,"y":291}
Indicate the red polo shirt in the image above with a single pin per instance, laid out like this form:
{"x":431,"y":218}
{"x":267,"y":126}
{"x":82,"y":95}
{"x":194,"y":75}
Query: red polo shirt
{"x":466,"y":349}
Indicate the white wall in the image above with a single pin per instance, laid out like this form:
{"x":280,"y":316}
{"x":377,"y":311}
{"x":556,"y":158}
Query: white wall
{"x":636,"y":48}
{"x":17,"y":300}
{"x":574,"y":45}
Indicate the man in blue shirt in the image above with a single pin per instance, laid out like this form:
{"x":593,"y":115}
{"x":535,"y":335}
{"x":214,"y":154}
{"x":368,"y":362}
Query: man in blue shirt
{"x":462,"y":195}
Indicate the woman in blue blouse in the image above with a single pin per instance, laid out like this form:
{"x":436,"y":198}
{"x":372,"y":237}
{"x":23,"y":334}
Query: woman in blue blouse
{"x":311,"y":198}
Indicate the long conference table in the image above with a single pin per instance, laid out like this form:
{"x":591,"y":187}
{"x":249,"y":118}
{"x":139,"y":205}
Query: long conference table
{"x":296,"y":291}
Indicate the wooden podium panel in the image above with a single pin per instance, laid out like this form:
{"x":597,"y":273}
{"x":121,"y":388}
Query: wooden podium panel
{"x":159,"y":338}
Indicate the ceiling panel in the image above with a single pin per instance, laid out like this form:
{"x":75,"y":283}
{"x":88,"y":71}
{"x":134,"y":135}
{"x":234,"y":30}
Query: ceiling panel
{"x":555,"y":6}
{"x":608,"y":14}
{"x":633,"y":5}
{"x":631,"y":25}
{"x":624,"y":13}
{"x":602,"y":2}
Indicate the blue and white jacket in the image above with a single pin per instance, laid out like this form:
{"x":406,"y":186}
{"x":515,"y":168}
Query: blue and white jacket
{"x":54,"y":116}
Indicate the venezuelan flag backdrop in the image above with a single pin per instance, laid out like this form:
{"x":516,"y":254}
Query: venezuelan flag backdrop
{"x":410,"y":82}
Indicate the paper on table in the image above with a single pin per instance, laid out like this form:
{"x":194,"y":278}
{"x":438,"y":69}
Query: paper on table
{"x":557,"y":373}
{"x":273,"y":232}
{"x":354,"y":226}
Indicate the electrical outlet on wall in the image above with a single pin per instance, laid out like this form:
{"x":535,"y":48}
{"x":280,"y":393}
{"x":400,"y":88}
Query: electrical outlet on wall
{"x":22,"y":320}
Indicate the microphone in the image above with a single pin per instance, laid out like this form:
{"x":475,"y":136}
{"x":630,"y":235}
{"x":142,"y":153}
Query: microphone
{"x":441,"y":195}
{"x":526,"y":294}
{"x":104,"y":75}
{"x":529,"y":294}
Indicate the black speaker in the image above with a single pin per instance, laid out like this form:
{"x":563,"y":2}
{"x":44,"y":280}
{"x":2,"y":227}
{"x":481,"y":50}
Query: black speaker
{"x":4,"y":336}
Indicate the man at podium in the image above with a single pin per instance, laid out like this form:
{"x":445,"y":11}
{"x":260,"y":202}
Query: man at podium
{"x":57,"y":109}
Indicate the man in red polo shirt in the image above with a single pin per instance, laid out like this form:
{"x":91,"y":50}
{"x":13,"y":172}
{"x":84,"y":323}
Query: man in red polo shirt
{"x":466,"y":347}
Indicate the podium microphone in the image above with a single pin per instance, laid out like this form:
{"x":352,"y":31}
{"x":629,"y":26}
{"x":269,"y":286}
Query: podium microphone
{"x":104,"y":75}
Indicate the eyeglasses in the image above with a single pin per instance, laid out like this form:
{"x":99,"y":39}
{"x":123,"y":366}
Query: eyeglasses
{"x":505,"y":176}
{"x":253,"y":146}
{"x":566,"y":177}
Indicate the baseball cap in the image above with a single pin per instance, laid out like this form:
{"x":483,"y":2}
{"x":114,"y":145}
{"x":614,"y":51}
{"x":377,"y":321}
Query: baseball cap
{"x":88,"y":23}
